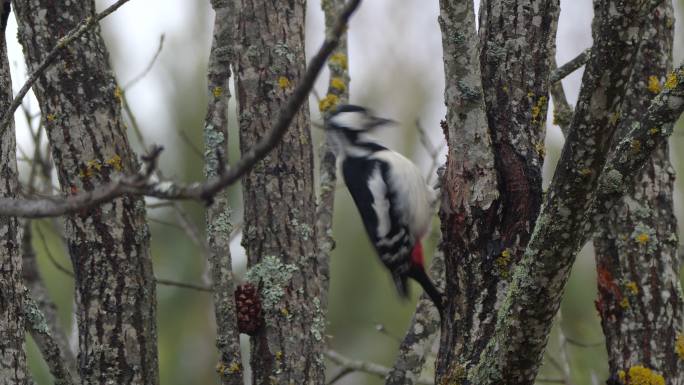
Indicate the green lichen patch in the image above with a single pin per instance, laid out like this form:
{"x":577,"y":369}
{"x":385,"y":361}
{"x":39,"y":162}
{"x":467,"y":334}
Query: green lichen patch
{"x":271,"y":275}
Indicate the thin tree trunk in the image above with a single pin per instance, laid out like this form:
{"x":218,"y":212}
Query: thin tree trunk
{"x":218,"y":214}
{"x":13,"y":368}
{"x":279,"y":235}
{"x":484,"y":243}
{"x":639,"y":296}
{"x":108,"y":244}
{"x":524,"y":321}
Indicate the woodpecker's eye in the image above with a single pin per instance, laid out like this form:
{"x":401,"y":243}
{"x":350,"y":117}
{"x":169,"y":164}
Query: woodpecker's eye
{"x":355,"y":121}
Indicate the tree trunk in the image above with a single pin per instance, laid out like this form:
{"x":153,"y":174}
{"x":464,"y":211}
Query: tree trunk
{"x":108,"y":244}
{"x":639,"y":296}
{"x":514,"y":353}
{"x":484,"y":243}
{"x":218,"y":213}
{"x":279,"y":234}
{"x":13,"y":368}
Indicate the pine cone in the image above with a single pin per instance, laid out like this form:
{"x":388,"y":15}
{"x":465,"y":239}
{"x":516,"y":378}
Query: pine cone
{"x":248,"y":305}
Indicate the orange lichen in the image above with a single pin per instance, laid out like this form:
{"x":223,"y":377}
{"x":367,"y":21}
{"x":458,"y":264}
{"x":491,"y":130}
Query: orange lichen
{"x":654,"y":84}
{"x":632,"y":287}
{"x":338,"y":84}
{"x":283,"y":82}
{"x":118,"y":94}
{"x":115,"y":162}
{"x":217,"y":91}
{"x":328,"y":102}
{"x":640,"y":375}
{"x":624,"y":303}
{"x":586,"y":171}
{"x":339,"y":59}
{"x":642,"y":238}
{"x":671,"y":81}
{"x":679,"y":346}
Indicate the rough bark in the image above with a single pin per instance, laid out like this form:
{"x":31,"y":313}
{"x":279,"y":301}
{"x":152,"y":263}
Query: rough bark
{"x":418,"y":342}
{"x":279,"y":201}
{"x":219,"y":226}
{"x":639,"y":296}
{"x":338,"y":93}
{"x":109,"y":243}
{"x":516,"y":40}
{"x":524,"y":321}
{"x":469,"y":186}
{"x":13,"y":368}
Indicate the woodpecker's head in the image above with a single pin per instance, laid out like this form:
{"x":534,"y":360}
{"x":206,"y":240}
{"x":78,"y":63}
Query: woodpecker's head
{"x":351,"y":118}
{"x":346,"y":126}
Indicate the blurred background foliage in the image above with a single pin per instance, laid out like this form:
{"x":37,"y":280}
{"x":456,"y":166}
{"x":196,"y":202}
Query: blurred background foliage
{"x":396,"y":69}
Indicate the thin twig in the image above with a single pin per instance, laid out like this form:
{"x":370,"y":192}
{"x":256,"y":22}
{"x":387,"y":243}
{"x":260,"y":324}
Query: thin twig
{"x":140,"y":184}
{"x":570,"y":67}
{"x":147,"y":69}
{"x":83,"y":27}
{"x":183,"y":285}
{"x":365,"y":367}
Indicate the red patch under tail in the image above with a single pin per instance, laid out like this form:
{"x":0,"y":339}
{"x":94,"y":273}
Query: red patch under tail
{"x":417,"y":258}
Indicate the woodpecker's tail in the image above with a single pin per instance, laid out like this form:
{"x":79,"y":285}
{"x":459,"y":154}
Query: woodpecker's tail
{"x":421,"y":276}
{"x":401,"y":282}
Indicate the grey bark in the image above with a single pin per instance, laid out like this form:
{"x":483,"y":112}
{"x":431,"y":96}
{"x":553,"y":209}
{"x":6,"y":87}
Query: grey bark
{"x":469,"y":186}
{"x":280,"y":234}
{"x":219,"y":226}
{"x":422,"y":332}
{"x":338,"y":93}
{"x":109,"y":243}
{"x":483,"y":246}
{"x":13,"y":368}
{"x":525,"y":318}
{"x":639,"y":295}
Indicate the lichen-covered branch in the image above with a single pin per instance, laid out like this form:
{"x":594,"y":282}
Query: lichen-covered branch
{"x":13,"y":368}
{"x":422,"y":332}
{"x":109,"y":243}
{"x":338,"y":93}
{"x":525,"y":318}
{"x":469,"y":186}
{"x":516,"y":39}
{"x":221,"y":57}
{"x":639,"y":296}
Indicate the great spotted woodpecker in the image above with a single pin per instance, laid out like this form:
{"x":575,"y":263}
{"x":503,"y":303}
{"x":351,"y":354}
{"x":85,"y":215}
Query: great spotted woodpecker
{"x":390,"y":193}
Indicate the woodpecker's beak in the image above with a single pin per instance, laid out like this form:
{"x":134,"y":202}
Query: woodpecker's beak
{"x":377,"y":122}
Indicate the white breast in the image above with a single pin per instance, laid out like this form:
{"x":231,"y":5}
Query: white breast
{"x":414,"y":196}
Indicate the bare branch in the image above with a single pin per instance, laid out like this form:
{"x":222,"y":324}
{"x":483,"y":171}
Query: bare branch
{"x":37,"y":325}
{"x":570,"y":67}
{"x":140,"y":184}
{"x":365,"y":367}
{"x":72,"y":35}
{"x":147,"y":69}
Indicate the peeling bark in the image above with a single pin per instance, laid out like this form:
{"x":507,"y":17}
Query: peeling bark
{"x":280,"y":234}
{"x":639,"y":296}
{"x":218,"y":214}
{"x":108,"y":244}
{"x":13,"y":368}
